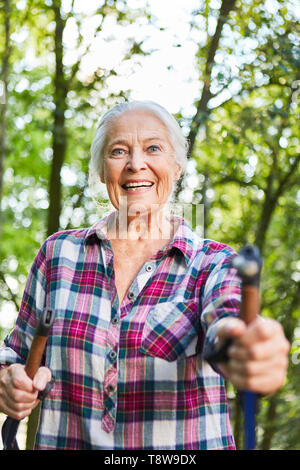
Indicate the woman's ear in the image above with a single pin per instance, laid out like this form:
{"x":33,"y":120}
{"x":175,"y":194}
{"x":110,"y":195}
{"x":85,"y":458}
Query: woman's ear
{"x":177,"y":172}
{"x":102,"y":174}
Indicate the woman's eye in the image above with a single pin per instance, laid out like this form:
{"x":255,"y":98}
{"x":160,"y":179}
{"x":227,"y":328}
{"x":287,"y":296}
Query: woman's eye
{"x":154,"y":148}
{"x":117,"y":152}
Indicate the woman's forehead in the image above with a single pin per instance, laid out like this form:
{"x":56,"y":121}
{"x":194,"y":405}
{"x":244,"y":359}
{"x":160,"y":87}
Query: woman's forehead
{"x":139,"y":122}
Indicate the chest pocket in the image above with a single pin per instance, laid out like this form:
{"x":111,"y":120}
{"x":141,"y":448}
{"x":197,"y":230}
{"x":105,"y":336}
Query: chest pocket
{"x":172,"y":330}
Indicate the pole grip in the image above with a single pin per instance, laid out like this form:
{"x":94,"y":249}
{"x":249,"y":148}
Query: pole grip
{"x":248,"y":264}
{"x":250,"y":305}
{"x":37,"y":348}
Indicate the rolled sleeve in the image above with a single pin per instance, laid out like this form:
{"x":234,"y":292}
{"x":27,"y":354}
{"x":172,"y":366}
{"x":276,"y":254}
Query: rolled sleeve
{"x":16,"y":345}
{"x":221,"y":296}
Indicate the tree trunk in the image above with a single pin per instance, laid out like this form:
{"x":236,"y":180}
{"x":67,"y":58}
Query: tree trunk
{"x":3,"y":98}
{"x":271,"y":198}
{"x":205,"y":203}
{"x":270,"y":423}
{"x":276,"y":185}
{"x":202,"y":113}
{"x":59,"y":138}
{"x":237,"y":430}
{"x":264,"y":222}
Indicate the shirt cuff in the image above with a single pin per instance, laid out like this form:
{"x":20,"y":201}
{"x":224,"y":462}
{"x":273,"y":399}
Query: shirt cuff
{"x":9,"y":356}
{"x":210,"y":347}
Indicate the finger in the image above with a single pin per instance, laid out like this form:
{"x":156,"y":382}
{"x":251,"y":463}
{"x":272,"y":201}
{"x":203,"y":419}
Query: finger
{"x":19,"y":379}
{"x":261,"y":330}
{"x":268,"y":368}
{"x":15,"y":395}
{"x":230,"y":328}
{"x":259,"y":351}
{"x":20,"y":411}
{"x":258,"y":376}
{"x":41,"y":378}
{"x":20,"y":405}
{"x":262,"y":383}
{"x":16,"y":401}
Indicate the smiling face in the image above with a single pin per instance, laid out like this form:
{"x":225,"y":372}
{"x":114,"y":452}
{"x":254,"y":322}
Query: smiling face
{"x":138,"y":161}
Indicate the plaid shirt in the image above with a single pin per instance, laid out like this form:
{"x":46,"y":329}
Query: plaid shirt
{"x":129,"y":376}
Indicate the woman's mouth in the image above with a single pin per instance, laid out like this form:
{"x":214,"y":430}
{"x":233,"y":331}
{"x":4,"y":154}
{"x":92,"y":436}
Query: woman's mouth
{"x":133,"y":186}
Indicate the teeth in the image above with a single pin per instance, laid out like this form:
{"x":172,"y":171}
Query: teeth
{"x":137,"y":185}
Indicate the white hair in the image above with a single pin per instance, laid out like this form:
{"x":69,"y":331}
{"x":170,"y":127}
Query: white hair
{"x":177,"y":138}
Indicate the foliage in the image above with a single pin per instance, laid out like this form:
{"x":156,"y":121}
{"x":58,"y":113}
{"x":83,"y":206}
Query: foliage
{"x":247,"y":158}
{"x":243,"y":131}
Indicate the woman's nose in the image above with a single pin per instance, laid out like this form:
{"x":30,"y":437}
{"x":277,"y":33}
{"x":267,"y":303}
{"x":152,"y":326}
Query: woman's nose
{"x":136,"y":161}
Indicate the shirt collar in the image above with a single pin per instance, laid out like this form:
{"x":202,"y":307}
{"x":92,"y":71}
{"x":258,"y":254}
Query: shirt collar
{"x":185,"y":240}
{"x":98,"y":230}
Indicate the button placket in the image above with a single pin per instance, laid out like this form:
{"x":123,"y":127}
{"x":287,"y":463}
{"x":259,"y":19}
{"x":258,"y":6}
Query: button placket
{"x":111,"y":368}
{"x":130,"y":295}
{"x":110,"y":388}
{"x":113,"y":355}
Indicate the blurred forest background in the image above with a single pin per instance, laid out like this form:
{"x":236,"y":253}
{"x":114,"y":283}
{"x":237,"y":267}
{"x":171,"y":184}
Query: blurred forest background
{"x":64,"y":62}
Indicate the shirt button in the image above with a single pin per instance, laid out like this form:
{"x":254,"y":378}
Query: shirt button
{"x":115,"y":320}
{"x":112,"y":354}
{"x":149,"y":268}
{"x":110,"y":388}
{"x":130,"y":295}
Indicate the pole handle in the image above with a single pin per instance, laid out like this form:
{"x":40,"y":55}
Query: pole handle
{"x":250,"y":305}
{"x":37,"y":348}
{"x":248,"y":264}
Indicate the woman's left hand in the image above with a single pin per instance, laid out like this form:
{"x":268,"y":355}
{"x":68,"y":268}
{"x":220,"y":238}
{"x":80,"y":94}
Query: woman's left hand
{"x":258,"y":356}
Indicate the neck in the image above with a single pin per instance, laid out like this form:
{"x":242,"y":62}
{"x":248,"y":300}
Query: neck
{"x":152,"y":226}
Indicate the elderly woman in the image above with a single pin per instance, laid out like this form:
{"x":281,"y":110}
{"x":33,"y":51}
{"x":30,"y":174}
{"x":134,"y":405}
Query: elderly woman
{"x":138,"y":299}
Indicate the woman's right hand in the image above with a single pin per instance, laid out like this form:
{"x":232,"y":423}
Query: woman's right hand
{"x":18,"y":393}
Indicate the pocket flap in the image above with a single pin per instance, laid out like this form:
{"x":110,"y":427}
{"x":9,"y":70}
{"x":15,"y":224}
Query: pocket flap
{"x":171,"y":330}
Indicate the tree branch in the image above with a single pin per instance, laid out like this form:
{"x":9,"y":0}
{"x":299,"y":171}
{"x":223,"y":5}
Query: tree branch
{"x":286,"y":178}
{"x":76,"y":66}
{"x":202,"y":109}
{"x":13,"y":297}
{"x":233,"y":179}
